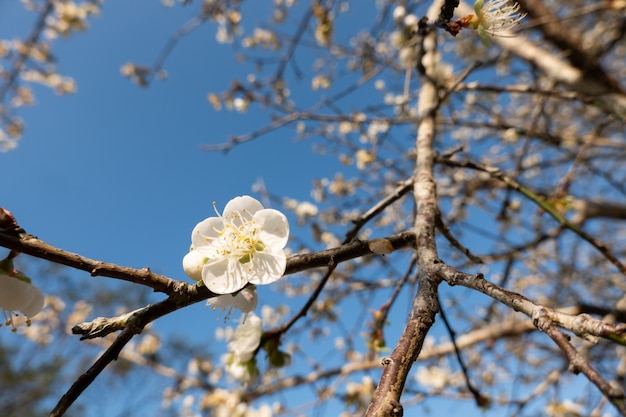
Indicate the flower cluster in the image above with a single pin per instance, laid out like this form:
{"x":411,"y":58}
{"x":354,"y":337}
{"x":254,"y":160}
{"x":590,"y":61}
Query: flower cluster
{"x":244,"y":245}
{"x":17,"y":293}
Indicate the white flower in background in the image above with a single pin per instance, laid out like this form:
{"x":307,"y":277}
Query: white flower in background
{"x":244,"y":245}
{"x":433,"y":376}
{"x":240,"y":370}
{"x":246,"y":338}
{"x":495,"y":16}
{"x":245,"y":300}
{"x":244,"y":341}
{"x":17,"y":293}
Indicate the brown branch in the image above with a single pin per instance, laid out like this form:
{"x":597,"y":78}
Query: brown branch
{"x":386,"y":399}
{"x":379,"y":317}
{"x":30,"y":245}
{"x":445,"y":231}
{"x":578,"y":364}
{"x":582,"y":325}
{"x":133,"y":325}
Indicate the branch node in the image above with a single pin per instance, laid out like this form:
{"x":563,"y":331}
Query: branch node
{"x":396,"y":408}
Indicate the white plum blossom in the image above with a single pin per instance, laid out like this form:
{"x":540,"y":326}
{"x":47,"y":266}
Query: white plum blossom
{"x":246,"y":337}
{"x":495,"y":16}
{"x":17,"y":293}
{"x":244,"y":341}
{"x":243,"y":245}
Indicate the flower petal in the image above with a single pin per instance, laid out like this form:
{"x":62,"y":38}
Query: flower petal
{"x":268,"y":267}
{"x":244,"y":206}
{"x":273,"y":228}
{"x":206,"y":231}
{"x":192,"y":264}
{"x":15,"y":294}
{"x":245,"y":301}
{"x":223,"y":275}
{"x":246,"y":337}
{"x":35,"y":305}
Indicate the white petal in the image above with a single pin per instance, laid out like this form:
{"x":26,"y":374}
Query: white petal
{"x":14,"y":293}
{"x":273,"y":228}
{"x":239,"y":371}
{"x":218,"y":278}
{"x":245,"y":301}
{"x":244,"y":206}
{"x":268,"y":267}
{"x":36,"y":304}
{"x":246,"y":337}
{"x":192,"y":264}
{"x":206,"y":231}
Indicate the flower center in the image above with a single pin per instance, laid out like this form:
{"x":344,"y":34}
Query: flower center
{"x":238,"y":239}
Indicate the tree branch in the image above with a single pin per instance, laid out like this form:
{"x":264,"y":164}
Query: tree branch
{"x":386,"y":400}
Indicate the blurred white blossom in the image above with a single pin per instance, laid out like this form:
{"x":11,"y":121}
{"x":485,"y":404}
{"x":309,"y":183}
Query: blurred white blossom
{"x":17,"y":293}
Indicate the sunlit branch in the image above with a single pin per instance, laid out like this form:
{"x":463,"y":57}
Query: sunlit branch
{"x":386,"y":400}
{"x":582,"y":325}
{"x":30,"y":245}
{"x":578,"y":364}
{"x":603,"y":96}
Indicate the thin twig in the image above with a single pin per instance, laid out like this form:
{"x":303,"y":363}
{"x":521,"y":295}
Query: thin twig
{"x":544,"y":204}
{"x":480,"y":399}
{"x":578,"y":364}
{"x":134,"y":325}
{"x":20,"y":60}
{"x":445,"y":230}
{"x":332,"y":261}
